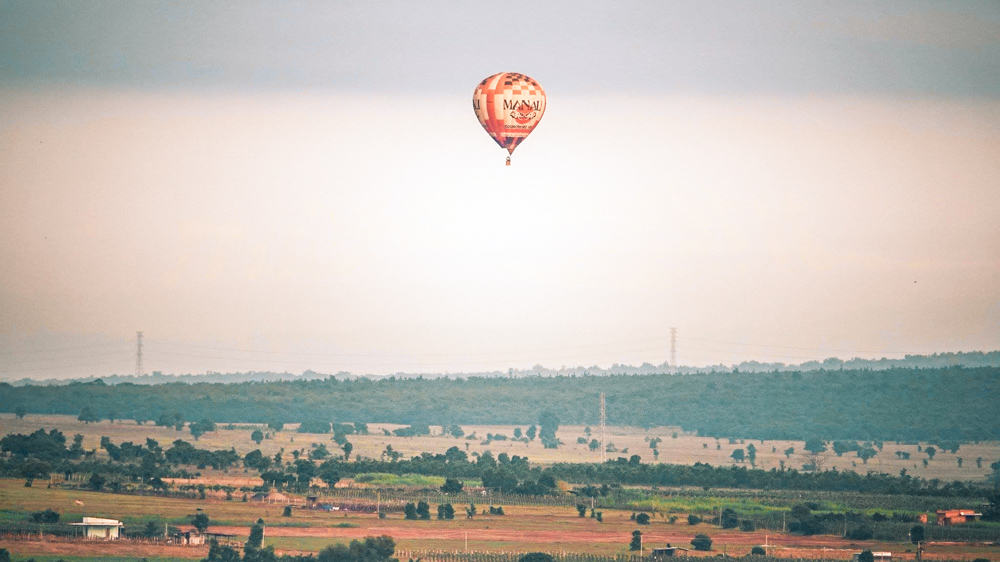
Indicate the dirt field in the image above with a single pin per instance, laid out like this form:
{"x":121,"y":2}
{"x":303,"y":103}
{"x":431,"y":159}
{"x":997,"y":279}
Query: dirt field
{"x":522,"y":529}
{"x":684,"y":449}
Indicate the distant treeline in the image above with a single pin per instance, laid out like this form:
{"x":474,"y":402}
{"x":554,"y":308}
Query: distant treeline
{"x":513,"y":474}
{"x":933,"y":361}
{"x":955,"y":404}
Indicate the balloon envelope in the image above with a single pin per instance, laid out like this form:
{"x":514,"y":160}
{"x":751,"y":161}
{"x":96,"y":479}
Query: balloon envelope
{"x":509,"y":105}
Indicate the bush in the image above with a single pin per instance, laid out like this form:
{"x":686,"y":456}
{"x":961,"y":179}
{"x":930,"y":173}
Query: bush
{"x":703,"y":542}
{"x":642,"y":519}
{"x":917,"y":534}
{"x":860,"y":533}
{"x":758,"y":551}
{"x":866,"y":556}
{"x":747,"y":526}
{"x":536,"y":557}
{"x":729,"y":519}
{"x":693,"y":519}
{"x":47,"y":516}
{"x":287,"y":511}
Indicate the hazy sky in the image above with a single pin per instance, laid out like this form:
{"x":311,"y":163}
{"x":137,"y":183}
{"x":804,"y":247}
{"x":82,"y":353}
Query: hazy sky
{"x":284,"y":185}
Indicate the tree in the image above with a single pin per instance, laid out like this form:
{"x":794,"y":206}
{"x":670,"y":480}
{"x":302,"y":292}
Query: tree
{"x":372,"y":549}
{"x":517,"y":433}
{"x":737,"y":455}
{"x":96,"y":482}
{"x":256,"y":536}
{"x":815,"y":446}
{"x":752,"y":454}
{"x":423,"y":510}
{"x":693,"y":519}
{"x":257,"y":436}
{"x":866,"y":556}
{"x":152,"y":529}
{"x":532,"y":431}
{"x":789,"y":451}
{"x":758,"y":551}
{"x":548,"y":423}
{"x":931,"y":451}
{"x":200,"y":521}
{"x":221,"y":553}
{"x":451,"y":486}
{"x":347,"y":447}
{"x":594,"y":445}
{"x":287,"y":512}
{"x":410,"y":511}
{"x":729,"y":519}
{"x":860,"y":533}
{"x":47,"y":516}
{"x":87,"y":415}
{"x":701,"y":542}
{"x":319,"y":452}
{"x":328,"y":472}
{"x":581,"y":510}
{"x":642,"y":519}
{"x":202,"y":427}
{"x":917,"y":534}
{"x":19,"y":411}
{"x":866,"y":453}
{"x":636,"y":542}
{"x":446,"y":511}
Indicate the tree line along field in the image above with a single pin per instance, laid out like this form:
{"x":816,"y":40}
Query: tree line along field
{"x":908,"y":404}
{"x":673,"y":446}
{"x":557,"y":529}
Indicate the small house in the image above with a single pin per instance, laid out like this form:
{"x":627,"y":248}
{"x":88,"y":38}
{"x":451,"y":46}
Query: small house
{"x":668,"y":552}
{"x":956,"y":516}
{"x":877,"y":556}
{"x":100,"y":528}
{"x":187,"y":538}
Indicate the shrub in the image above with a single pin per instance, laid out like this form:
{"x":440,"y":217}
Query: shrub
{"x":642,"y":519}
{"x":693,"y":519}
{"x":47,"y":516}
{"x":747,"y":525}
{"x":866,"y":556}
{"x":536,"y":557}
{"x":860,"y":533}
{"x":703,"y":542}
{"x":758,"y":551}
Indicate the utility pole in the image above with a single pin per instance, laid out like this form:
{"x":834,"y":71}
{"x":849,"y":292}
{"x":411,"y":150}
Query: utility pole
{"x":673,"y":350}
{"x":604,"y":422}
{"x":138,"y":354}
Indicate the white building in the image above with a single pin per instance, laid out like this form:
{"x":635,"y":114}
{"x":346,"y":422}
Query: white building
{"x":100,"y":528}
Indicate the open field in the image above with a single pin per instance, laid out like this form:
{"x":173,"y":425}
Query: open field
{"x":682,"y":449}
{"x":522,"y":529}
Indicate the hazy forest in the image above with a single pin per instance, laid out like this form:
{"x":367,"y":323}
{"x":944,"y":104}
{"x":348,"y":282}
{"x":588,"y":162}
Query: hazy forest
{"x":894,"y":404}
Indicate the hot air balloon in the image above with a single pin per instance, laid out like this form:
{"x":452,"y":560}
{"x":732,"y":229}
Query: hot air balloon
{"x":509,"y":105}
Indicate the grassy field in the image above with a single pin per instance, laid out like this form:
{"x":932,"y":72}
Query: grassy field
{"x":682,"y":449}
{"x":521,"y":529}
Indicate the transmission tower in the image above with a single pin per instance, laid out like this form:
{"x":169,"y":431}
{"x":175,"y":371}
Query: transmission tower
{"x":673,"y":350}
{"x":138,"y":354}
{"x":604,"y":423}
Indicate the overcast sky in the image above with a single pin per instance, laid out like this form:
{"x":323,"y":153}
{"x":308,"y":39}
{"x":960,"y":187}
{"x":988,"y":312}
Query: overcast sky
{"x":288,"y":185}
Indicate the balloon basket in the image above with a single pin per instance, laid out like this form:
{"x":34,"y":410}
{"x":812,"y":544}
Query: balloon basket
{"x":508,"y":161}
